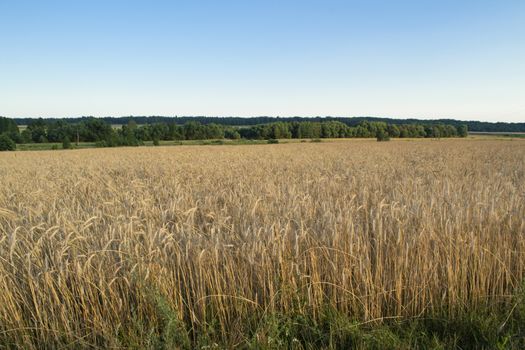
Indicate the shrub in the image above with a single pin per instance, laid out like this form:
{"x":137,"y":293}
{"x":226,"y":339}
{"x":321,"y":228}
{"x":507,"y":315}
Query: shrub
{"x":6,"y":144}
{"x":66,"y":143}
{"x":156,"y":141}
{"x":382,"y":136}
{"x":273,"y":141}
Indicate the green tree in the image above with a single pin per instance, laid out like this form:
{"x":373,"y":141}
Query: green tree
{"x":393,"y":130}
{"x":232,"y":134}
{"x":194,"y":131}
{"x":9,"y":127}
{"x":280,"y":130}
{"x":94,"y":130}
{"x":381,"y":135}
{"x":462,"y":130}
{"x":214,"y":131}
{"x":309,"y":130}
{"x":436,"y":132}
{"x":25,"y":136}
{"x":38,"y":131}
{"x":175,"y":132}
{"x":66,"y":143}
{"x":6,"y":144}
{"x":159,"y":131}
{"x":58,"y":130}
{"x":128,"y":134}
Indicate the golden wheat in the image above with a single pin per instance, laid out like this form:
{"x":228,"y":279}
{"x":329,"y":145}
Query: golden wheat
{"x":373,"y":230}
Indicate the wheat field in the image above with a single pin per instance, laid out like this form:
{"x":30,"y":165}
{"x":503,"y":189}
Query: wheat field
{"x":177,"y":247}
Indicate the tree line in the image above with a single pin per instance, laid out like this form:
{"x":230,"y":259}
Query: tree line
{"x":132,"y":134}
{"x":253,"y":121}
{"x":335,"y":129}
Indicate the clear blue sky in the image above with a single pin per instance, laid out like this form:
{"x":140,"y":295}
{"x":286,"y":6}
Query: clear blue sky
{"x":427,"y":59}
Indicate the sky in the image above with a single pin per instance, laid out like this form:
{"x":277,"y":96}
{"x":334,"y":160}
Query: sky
{"x":402,"y":59}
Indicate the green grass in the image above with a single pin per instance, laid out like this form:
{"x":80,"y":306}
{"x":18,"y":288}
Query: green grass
{"x":466,"y":329}
{"x":50,"y":146}
{"x":472,"y":329}
{"x":58,"y":146}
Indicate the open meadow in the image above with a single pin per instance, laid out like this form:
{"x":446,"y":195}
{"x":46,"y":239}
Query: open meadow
{"x":344,"y":244}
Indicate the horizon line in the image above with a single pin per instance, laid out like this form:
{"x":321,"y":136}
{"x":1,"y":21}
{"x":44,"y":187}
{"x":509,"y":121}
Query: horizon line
{"x":264,"y":116}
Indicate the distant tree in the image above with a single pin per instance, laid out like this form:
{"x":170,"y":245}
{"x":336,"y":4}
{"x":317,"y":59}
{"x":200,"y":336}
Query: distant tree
{"x":202,"y":128}
{"x":143,"y":133}
{"x":9,"y":127}
{"x":160,"y":131}
{"x":436,"y":132}
{"x":381,"y":135}
{"x":429,"y":131}
{"x":362,"y":131}
{"x":393,"y":130}
{"x":232,"y":134}
{"x":26,"y":136}
{"x":194,"y":131}
{"x":249,"y":133}
{"x":58,"y":130}
{"x":279,"y":130}
{"x":66,"y":143}
{"x":419,"y":130}
{"x":94,"y":130}
{"x":309,"y":130}
{"x":462,"y":130}
{"x":37,"y":130}
{"x":213,"y":131}
{"x":450,"y":130}
{"x":6,"y":144}
{"x":350,"y":132}
{"x":241,"y":121}
{"x":128,"y":134}
{"x":377,"y":127}
{"x":175,"y":132}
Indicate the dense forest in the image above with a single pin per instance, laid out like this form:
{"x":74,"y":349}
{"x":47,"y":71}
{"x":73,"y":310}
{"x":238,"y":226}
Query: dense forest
{"x":240,"y":121}
{"x":134,"y":134}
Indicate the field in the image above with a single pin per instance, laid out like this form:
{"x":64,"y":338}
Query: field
{"x":344,"y":244}
{"x":81,"y":145}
